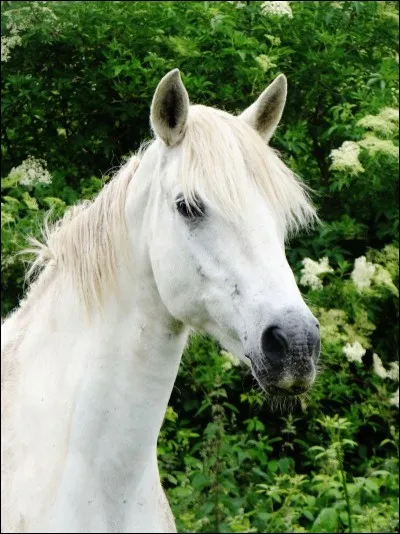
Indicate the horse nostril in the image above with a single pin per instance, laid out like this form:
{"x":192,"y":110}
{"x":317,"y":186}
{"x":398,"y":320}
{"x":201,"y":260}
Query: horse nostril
{"x":274,"y":344}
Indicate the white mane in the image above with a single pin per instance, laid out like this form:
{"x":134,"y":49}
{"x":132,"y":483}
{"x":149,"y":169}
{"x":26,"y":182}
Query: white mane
{"x":85,"y":243}
{"x":219,"y":154}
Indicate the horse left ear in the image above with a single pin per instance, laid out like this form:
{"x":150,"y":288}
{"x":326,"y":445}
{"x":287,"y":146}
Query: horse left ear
{"x":266,"y":112}
{"x":170,"y":108}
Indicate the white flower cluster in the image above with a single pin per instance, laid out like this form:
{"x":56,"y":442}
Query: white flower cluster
{"x":365,"y":272}
{"x":239,"y":5}
{"x":393,"y":373}
{"x":394,"y":401}
{"x":345,"y":158}
{"x":379,"y":368}
{"x":265,"y":62}
{"x":281,"y":9}
{"x":7,"y":44}
{"x":373,"y":145}
{"x":362,"y":273}
{"x":230,"y":360}
{"x":311,"y":270}
{"x":382,"y":278}
{"x":354,"y":352}
{"x":385,"y":122}
{"x":18,"y":20}
{"x":390,"y":114}
{"x":31,"y":171}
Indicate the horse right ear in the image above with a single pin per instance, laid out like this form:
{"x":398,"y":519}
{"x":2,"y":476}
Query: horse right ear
{"x":266,"y":112}
{"x":170,"y":108}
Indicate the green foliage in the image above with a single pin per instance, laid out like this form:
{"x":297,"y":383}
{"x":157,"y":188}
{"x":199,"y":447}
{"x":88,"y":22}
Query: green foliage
{"x":77,"y":81}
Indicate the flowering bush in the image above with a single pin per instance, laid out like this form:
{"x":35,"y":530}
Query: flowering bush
{"x":280,"y":9}
{"x":30,"y":172}
{"x":21,"y":20}
{"x":346,"y":158}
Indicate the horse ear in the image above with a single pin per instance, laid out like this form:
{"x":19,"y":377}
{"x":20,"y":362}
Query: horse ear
{"x":170,"y":108}
{"x":266,"y":112}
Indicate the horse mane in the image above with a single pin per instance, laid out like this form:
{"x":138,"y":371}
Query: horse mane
{"x":89,"y":239}
{"x":219,"y":152}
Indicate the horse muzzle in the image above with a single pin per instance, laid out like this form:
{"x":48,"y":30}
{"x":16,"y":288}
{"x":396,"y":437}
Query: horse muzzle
{"x":285,"y":363}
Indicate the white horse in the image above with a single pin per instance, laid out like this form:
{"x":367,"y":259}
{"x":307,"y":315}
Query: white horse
{"x":188,"y":236}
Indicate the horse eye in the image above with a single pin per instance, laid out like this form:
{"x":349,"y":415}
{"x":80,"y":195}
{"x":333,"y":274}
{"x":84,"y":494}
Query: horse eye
{"x":190,"y":211}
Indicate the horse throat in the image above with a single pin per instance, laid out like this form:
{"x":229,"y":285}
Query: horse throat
{"x":120,"y":410}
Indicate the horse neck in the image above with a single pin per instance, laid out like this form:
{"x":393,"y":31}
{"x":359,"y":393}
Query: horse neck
{"x":115,"y":372}
{"x":128,"y":384}
{"x":130,"y":379}
{"x":93,"y":394}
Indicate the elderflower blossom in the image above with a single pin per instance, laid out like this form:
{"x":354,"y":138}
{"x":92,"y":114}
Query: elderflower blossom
{"x":379,"y":369}
{"x":390,"y":114}
{"x":280,"y":9}
{"x":382,"y":278}
{"x":7,"y":44}
{"x":393,"y":373}
{"x":394,"y":401}
{"x":18,"y":20}
{"x":31,"y":171}
{"x":239,"y":5}
{"x":265,"y":62}
{"x":230,"y":360}
{"x":354,"y":352}
{"x":385,"y":122}
{"x":363,"y":273}
{"x":311,"y":270}
{"x":345,"y":158}
{"x":374,"y":145}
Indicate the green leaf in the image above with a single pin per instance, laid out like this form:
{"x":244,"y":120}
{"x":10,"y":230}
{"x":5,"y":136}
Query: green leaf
{"x":284,"y":464}
{"x":326,"y":521}
{"x":54,"y":202}
{"x":273,"y":466}
{"x":206,"y":508}
{"x":11,"y":200}
{"x":308,"y":515}
{"x":10,"y":181}
{"x":199,"y":481}
{"x":171,"y":478}
{"x":30,"y":201}
{"x":6,"y":218}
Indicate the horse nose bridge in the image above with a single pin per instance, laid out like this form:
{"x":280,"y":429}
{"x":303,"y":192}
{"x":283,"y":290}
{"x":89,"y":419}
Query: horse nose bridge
{"x":303,"y":330}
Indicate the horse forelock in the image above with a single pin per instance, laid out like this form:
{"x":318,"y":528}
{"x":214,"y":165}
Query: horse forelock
{"x":221,"y":153}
